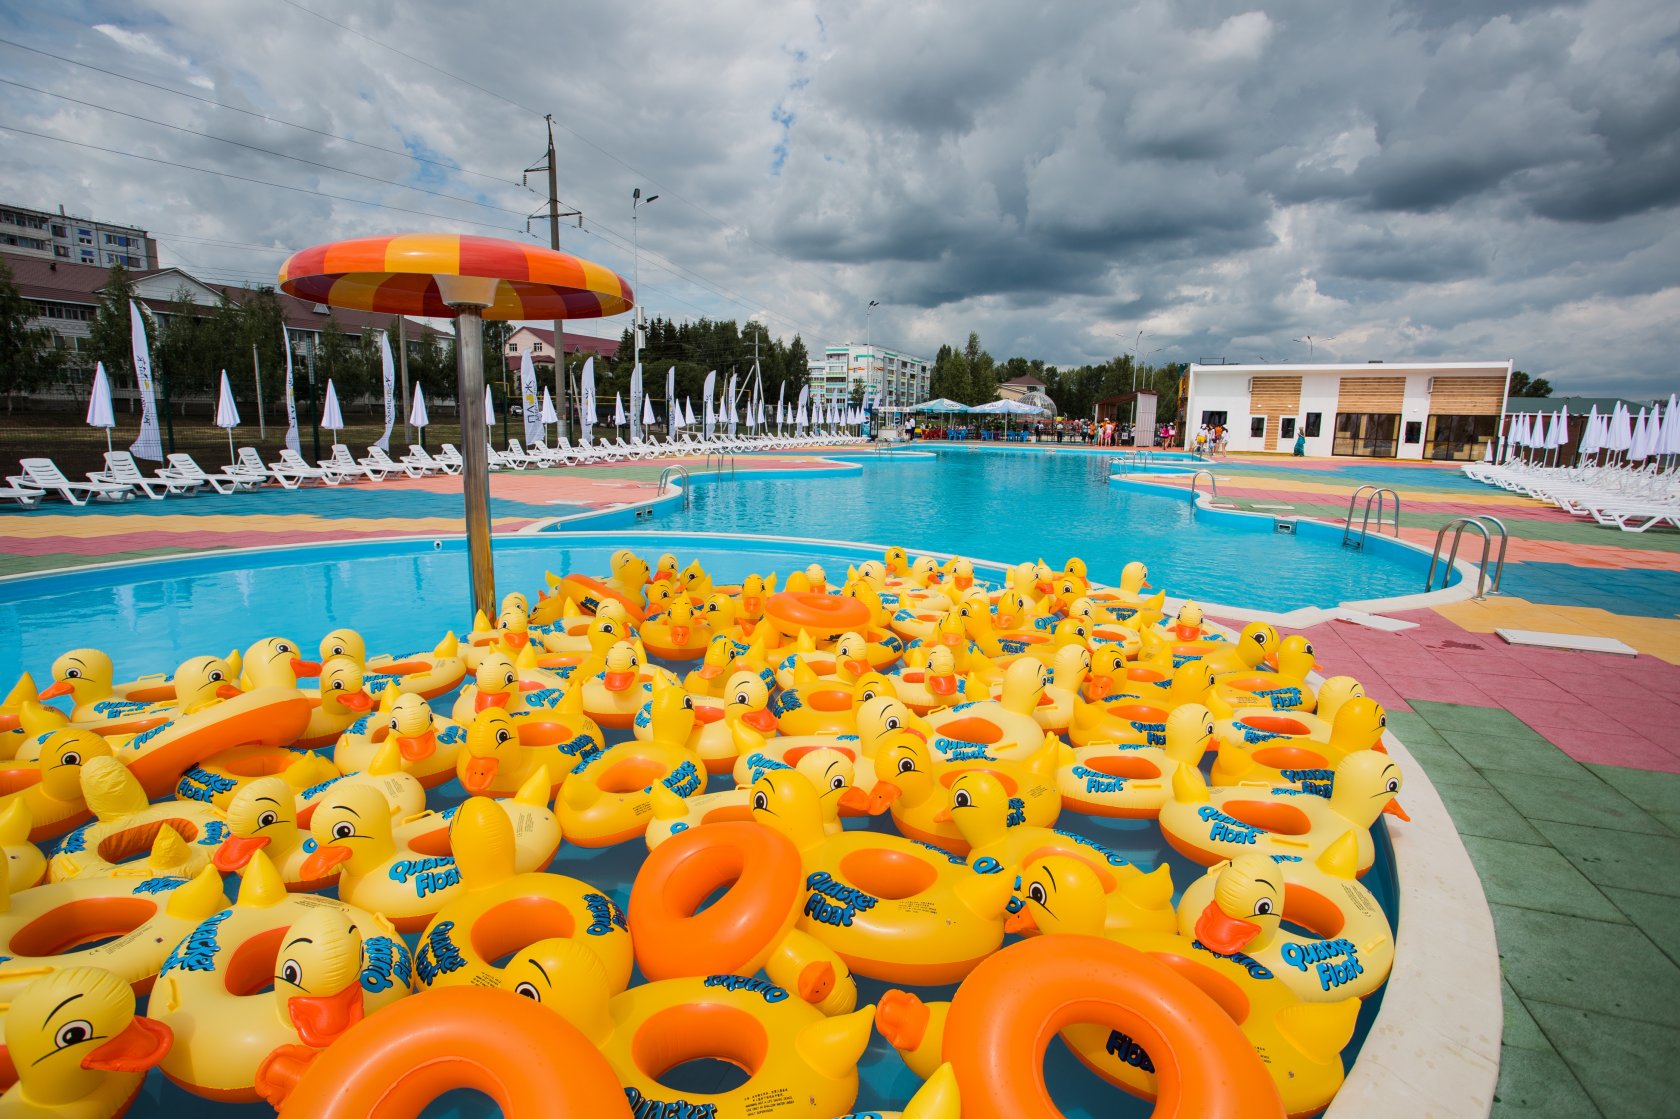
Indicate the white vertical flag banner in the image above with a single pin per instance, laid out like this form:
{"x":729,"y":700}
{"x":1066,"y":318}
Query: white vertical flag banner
{"x":781,"y":412}
{"x":149,"y":445}
{"x":388,"y":367}
{"x":673,"y":414}
{"x":533,"y":403}
{"x":292,"y":443}
{"x":711,"y":415}
{"x":729,"y":399}
{"x":586,"y":401}
{"x":799,"y":418}
{"x":636,"y":403}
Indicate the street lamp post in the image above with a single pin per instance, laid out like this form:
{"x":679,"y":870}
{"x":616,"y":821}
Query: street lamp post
{"x":869,"y":343}
{"x":636,"y":203}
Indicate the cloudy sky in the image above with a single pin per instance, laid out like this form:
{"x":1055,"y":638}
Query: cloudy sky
{"x":1396,"y":179}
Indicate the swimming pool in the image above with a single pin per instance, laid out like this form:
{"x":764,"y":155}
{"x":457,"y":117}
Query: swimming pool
{"x":1039,"y":503}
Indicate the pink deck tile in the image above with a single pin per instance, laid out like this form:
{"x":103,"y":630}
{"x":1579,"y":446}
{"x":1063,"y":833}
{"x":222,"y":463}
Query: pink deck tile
{"x":1598,"y":748}
{"x":1435,"y":690}
{"x":1551,"y":713}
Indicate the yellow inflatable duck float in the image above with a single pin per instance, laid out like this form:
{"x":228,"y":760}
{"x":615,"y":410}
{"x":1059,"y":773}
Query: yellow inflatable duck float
{"x":1239,"y":907}
{"x":608,"y":798}
{"x":677,"y":634}
{"x":85,"y":675}
{"x":746,"y":699}
{"x":509,"y":633}
{"x":78,"y":1047}
{"x":1005,"y":726}
{"x":1304,"y":763}
{"x":814,"y":706}
{"x":427,"y":675}
{"x":1139,"y":714}
{"x":791,"y":1050}
{"x":929,"y":679}
{"x":25,"y":865}
{"x":429,"y":742}
{"x":890,"y":907}
{"x":829,"y":769}
{"x":1255,"y":725}
{"x":21,"y":699}
{"x":343,"y":700}
{"x":500,"y":754}
{"x":510,"y":683}
{"x":1256,"y":642}
{"x":49,"y":771}
{"x":1284,"y":688}
{"x":1133,"y":780}
{"x":583,"y":635}
{"x":627,"y":585}
{"x":1215,"y":826}
{"x":1124,"y":600}
{"x":915,"y":773}
{"x":125,"y":823}
{"x":262,"y":816}
{"x":614,"y":692}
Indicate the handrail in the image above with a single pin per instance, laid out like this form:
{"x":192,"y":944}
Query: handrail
{"x":1379,"y":496}
{"x":687,"y":486}
{"x":1482,"y":525}
{"x":1195,"y":481}
{"x":720,"y":453}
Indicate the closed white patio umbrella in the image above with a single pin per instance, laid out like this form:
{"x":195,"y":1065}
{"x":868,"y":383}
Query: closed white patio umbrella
{"x":332,"y":417}
{"x":489,"y":410}
{"x":549,"y":415}
{"x":227,"y":413}
{"x":618,"y":409}
{"x":417,"y":417}
{"x":100,"y":413}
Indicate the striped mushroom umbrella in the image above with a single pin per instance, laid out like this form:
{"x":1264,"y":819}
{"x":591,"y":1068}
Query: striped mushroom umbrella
{"x":452,"y":275}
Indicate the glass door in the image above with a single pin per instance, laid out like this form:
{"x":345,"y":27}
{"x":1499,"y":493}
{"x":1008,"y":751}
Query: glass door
{"x":1366,"y":434}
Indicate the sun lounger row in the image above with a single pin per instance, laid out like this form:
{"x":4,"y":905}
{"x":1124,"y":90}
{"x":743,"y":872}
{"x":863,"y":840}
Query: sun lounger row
{"x":1633,"y":499}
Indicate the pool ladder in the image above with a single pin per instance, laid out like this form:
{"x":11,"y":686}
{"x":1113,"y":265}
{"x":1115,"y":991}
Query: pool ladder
{"x":720,"y":454}
{"x":668,"y":476}
{"x":1484,"y":526}
{"x":1195,"y":483}
{"x":1373,"y":495}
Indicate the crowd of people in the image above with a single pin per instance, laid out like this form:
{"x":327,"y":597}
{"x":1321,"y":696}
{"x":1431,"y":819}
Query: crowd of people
{"x":1100,"y":433}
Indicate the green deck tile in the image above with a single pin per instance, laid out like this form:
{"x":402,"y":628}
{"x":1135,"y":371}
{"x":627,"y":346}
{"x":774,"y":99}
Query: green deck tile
{"x":1451,"y":718}
{"x":1521,"y":1031}
{"x":1535,"y":877}
{"x":1410,"y":727}
{"x":1657,"y":914}
{"x":1618,"y":858}
{"x":1626,"y":1067}
{"x":1535,"y":1084}
{"x":1482,"y":811}
{"x":1591,"y":965}
{"x":1586,"y":801}
{"x":1669,"y":820}
{"x":1652,"y":791}
{"x":1522,"y":754}
{"x":1444,"y":764}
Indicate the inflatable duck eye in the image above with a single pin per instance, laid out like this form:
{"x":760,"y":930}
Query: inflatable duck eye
{"x":73,"y":1033}
{"x":344,"y":829}
{"x":1260,"y":637}
{"x":869,"y":694}
{"x":509,"y":679}
{"x":836,"y":782}
{"x":529,"y":991}
{"x":73,"y":674}
{"x":1263,"y":907}
{"x":283,"y":647}
{"x":907,"y":765}
{"x":606,"y":627}
{"x":688,"y":703}
{"x":338,"y":650}
{"x":338,"y":685}
{"x":215,"y":675}
{"x":503,"y":736}
{"x":393,"y":723}
{"x":71,"y":757}
{"x":760,"y":802}
{"x":892,"y":722}
{"x":961,"y":799}
{"x":1037,"y":893}
{"x":742,"y":698}
{"x":1393,"y":785}
{"x":633,"y":661}
{"x":291,"y":973}
{"x":1382,"y":720}
{"x":267,"y":819}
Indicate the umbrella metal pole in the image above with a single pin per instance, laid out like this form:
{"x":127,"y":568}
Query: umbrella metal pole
{"x":475,"y":467}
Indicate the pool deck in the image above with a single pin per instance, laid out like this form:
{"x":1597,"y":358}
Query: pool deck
{"x":1560,"y":769}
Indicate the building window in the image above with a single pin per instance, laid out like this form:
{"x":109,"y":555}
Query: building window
{"x":1365,"y":434}
{"x":1288,"y":431}
{"x":1414,"y":431}
{"x":59,"y":231}
{"x":1257,"y":427}
{"x":536,"y":347}
{"x":1460,"y":438}
{"x":1214,"y":419}
{"x":513,"y":347}
{"x":1310,"y":428}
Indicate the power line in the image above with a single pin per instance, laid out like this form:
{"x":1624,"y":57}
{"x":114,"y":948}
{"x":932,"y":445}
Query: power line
{"x":265,"y":151}
{"x":252,"y":113}
{"x":248,"y":179}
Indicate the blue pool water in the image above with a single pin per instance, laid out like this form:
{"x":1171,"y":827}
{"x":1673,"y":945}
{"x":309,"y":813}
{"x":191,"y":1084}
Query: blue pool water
{"x":1015,"y":505}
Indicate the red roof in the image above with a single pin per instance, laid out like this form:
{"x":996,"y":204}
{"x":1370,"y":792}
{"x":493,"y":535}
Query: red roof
{"x":1027,"y":379}
{"x":586,"y":344}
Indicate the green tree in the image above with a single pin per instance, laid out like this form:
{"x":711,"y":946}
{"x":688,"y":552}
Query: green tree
{"x":1522,"y":385}
{"x":982,"y":380}
{"x":29,"y":357}
{"x":109,"y":336}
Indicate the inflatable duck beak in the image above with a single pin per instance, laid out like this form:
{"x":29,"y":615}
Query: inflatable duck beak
{"x":710,"y":671}
{"x":1270,"y":660}
{"x":1187,"y":633}
{"x":1392,"y":808}
{"x":303,"y":668}
{"x":856,"y":665}
{"x":963,"y":582}
{"x":1021,"y":923}
{"x":1222,"y":932}
{"x":1096,"y":687}
{"x":1045,"y":586}
{"x":356,"y":701}
{"x":236,"y":851}
{"x":943,"y":816}
{"x":141,"y":1046}
{"x":417,"y":748}
{"x":484,"y":700}
{"x":942,"y":685}
{"x":228,"y":691}
{"x":751,"y":603}
{"x":761,"y":720}
{"x":58,"y":689}
{"x":480,"y":773}
{"x":618,"y":681}
{"x":514,"y":639}
{"x":323,"y":862}
{"x":859,"y":801}
{"x":680,"y":634}
{"x":320,"y":1019}
{"x":882,"y":796}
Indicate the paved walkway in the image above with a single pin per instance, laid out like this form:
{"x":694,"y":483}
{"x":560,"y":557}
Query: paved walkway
{"x":1561,"y":770}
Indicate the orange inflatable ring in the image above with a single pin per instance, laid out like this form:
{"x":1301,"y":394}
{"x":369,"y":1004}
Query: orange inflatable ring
{"x":1007,"y":1010}
{"x":735,"y":934}
{"x":824,"y":616}
{"x":526,"y":1058}
{"x":589,"y":592}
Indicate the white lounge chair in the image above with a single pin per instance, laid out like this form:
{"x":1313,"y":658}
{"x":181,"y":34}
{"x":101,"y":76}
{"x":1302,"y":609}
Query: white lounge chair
{"x":43,"y":474}
{"x":27,"y":497}
{"x":520,"y":456}
{"x":343,"y":466}
{"x":449,"y":456}
{"x":121,"y":469}
{"x":381,"y":465}
{"x":419,"y":456}
{"x":293,"y":464}
{"x":547,"y":457}
{"x":251,"y":465}
{"x":184,"y":466}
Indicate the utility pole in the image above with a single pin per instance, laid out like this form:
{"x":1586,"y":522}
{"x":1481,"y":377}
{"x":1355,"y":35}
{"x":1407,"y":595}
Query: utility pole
{"x":562,"y":405}
{"x":256,"y":367}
